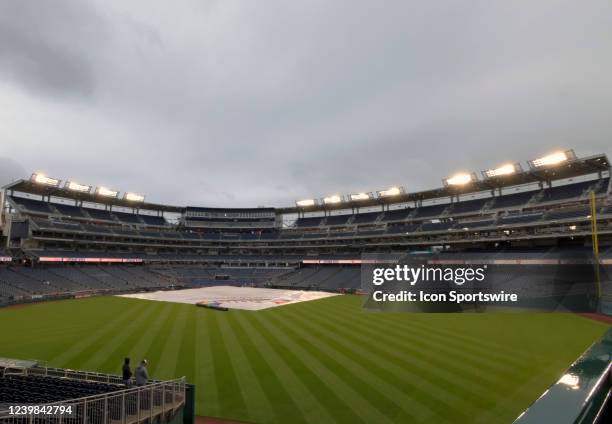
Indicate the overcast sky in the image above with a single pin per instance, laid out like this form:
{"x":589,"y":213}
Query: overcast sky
{"x":231,"y":103}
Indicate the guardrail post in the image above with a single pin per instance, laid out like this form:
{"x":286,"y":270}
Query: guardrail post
{"x":151,"y":405}
{"x":163,"y":405}
{"x":105,"y":409}
{"x":123,"y":410}
{"x":138,"y":406}
{"x":85,"y":411}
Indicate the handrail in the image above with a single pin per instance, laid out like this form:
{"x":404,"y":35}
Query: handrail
{"x":142,"y":402}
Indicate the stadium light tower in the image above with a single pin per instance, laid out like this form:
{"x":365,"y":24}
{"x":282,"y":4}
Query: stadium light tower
{"x":106,"y":192}
{"x":552,"y":159}
{"x":74,"y":186}
{"x":390,"y":192}
{"x":361,"y":196}
{"x":133,"y":197}
{"x":305,"y":203}
{"x":460,"y":179}
{"x":502,"y":170}
{"x":332,"y":200}
{"x":40,"y":178}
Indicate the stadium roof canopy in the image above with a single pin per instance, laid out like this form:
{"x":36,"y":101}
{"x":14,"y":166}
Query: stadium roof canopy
{"x":235,"y":210}
{"x":573,"y":168}
{"x":568,"y":169}
{"x":30,"y":187}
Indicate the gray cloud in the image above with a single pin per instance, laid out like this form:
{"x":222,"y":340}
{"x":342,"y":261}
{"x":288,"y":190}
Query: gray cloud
{"x":46,"y":46}
{"x":10,"y":171}
{"x":235,"y":104}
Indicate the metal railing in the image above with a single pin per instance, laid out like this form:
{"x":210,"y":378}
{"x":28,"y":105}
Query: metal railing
{"x":158,"y":399}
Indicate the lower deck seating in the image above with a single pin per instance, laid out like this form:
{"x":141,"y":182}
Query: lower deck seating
{"x":21,"y":389}
{"x":19,"y":282}
{"x":321,"y":277}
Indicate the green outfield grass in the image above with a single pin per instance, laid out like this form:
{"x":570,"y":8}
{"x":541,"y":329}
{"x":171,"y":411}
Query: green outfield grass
{"x":317,"y":362}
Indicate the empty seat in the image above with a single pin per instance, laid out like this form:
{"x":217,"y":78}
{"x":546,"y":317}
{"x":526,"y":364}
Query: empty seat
{"x":469,"y":206}
{"x":365,"y":218}
{"x":153,"y":220}
{"x":69,"y":210}
{"x":583,"y":213}
{"x":565,"y":192}
{"x":129,"y":218}
{"x":513,"y":200}
{"x":309,"y":221}
{"x":436,"y":226}
{"x":396,"y":215}
{"x":337,"y":219}
{"x":32,"y":205}
{"x":520,"y":219}
{"x":99,"y":214}
{"x":433,"y":210}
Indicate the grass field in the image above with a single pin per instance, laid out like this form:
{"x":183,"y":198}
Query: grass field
{"x":317,"y":362}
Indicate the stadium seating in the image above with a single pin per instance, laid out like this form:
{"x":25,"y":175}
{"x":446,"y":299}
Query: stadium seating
{"x":38,"y":389}
{"x":436,"y":226}
{"x":198,"y":275}
{"x":521,"y":219}
{"x":337,"y":219}
{"x":371,"y":232}
{"x":468,"y":206}
{"x":68,"y":210}
{"x":429,"y":211}
{"x":402,"y":228}
{"x":68,"y":231}
{"x":25,"y":283}
{"x":153,"y":220}
{"x":396,"y":215}
{"x":129,"y":218}
{"x":513,"y":200}
{"x":314,"y":235}
{"x":568,"y":214}
{"x":366,"y":218}
{"x":99,"y":214}
{"x":309,"y":221}
{"x":565,"y":192}
{"x":32,"y":205}
{"x":321,"y":277}
{"x":475,"y":224}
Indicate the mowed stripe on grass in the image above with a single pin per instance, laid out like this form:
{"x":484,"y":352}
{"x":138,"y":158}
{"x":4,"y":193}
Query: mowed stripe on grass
{"x":316,"y":362}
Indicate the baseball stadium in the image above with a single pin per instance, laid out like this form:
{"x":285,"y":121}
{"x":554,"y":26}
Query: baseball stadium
{"x":257,"y":315}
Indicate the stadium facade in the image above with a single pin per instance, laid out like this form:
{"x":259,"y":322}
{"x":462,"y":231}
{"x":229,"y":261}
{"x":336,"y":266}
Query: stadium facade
{"x":63,"y":237}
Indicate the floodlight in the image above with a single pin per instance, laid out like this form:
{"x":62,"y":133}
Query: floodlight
{"x":393,"y":191}
{"x":332,"y":199}
{"x":43,"y":179}
{"x":74,"y":186}
{"x":306,"y":202}
{"x":507,"y":169}
{"x":552,"y":159}
{"x":361,"y":196}
{"x":460,"y":179}
{"x":106,"y":192}
{"x":134,"y":197}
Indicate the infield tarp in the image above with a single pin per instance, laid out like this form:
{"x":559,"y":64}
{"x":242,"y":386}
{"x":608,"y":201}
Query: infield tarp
{"x":249,"y":298}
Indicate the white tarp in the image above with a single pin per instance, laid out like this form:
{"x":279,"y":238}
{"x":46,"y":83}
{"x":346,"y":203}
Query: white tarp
{"x":249,"y":298}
